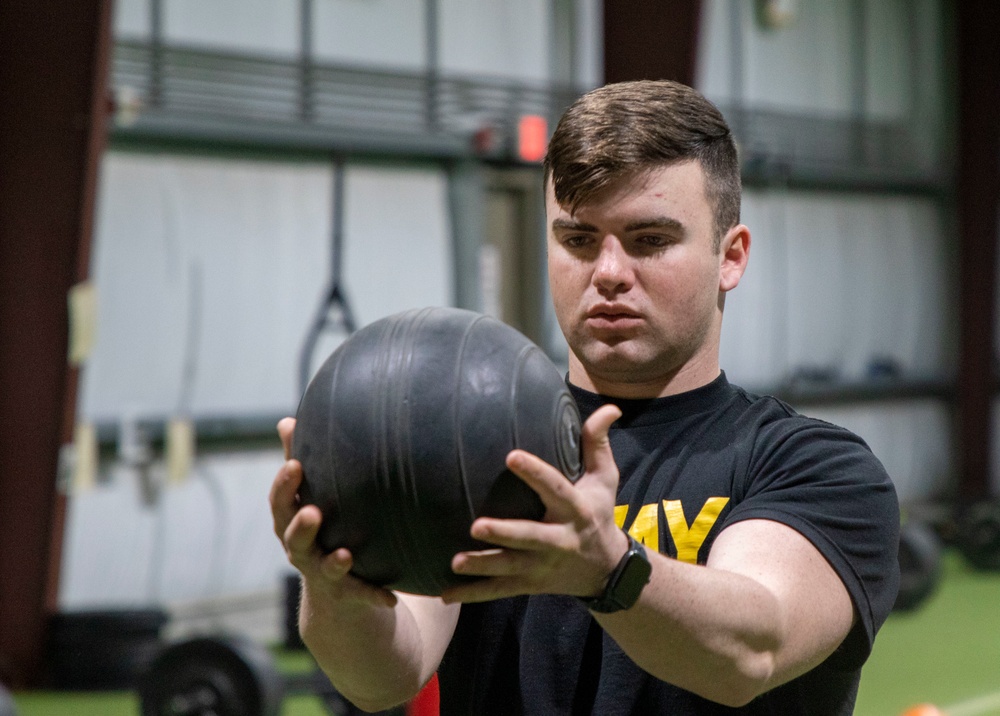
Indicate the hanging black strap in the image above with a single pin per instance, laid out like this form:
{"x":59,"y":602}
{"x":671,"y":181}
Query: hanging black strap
{"x":334,"y":311}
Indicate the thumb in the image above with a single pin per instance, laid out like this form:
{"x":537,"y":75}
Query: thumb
{"x":597,"y":457}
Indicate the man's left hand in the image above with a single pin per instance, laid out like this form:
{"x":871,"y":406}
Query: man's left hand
{"x":575,"y":546}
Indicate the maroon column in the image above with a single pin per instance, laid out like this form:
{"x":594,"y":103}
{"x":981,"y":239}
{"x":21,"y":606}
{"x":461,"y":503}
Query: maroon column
{"x":651,"y":40}
{"x":53,"y":66}
{"x":978,"y":207}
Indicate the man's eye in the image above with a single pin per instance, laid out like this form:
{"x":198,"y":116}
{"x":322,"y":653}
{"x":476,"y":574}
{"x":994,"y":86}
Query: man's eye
{"x":653,"y":241}
{"x":576,"y":241}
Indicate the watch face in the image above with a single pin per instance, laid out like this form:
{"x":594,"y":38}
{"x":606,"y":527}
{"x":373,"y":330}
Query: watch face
{"x":633,"y":578}
{"x":626,"y":582}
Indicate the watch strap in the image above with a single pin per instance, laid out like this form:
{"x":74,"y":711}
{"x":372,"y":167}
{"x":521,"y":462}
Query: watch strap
{"x":626,"y":582}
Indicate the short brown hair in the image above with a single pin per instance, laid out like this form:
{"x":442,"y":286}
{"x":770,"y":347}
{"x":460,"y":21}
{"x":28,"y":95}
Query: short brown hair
{"x":627,"y":128}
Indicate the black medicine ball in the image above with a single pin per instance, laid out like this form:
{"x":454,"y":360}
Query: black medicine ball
{"x":403,"y":435}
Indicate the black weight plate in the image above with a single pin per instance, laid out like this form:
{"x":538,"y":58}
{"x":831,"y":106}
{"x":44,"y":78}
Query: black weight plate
{"x":212,"y":676}
{"x":919,"y":565}
{"x":978,"y":536}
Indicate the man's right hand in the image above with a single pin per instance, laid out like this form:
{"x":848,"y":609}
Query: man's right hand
{"x":378,"y":649}
{"x":297,"y":525}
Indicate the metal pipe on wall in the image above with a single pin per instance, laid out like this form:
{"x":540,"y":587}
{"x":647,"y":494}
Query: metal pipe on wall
{"x":432,"y":58}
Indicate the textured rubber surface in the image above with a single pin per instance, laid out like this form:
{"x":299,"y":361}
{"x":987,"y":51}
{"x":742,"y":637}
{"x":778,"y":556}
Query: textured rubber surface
{"x":404,"y":430}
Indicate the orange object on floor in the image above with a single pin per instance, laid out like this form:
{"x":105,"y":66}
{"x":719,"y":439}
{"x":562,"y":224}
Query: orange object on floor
{"x":427,"y":702}
{"x":923,"y":710}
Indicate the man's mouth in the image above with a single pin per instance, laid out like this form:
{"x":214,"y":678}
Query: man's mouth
{"x":612,"y":316}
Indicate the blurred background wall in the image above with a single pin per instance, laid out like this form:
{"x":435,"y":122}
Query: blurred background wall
{"x":272,"y":165}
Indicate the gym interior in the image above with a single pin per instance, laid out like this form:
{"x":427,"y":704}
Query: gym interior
{"x":200,"y":201}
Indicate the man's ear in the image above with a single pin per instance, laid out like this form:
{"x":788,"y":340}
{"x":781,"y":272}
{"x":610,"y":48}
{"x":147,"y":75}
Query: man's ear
{"x":734,"y":252}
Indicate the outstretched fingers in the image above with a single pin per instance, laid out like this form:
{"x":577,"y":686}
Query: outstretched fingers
{"x":597,"y":456}
{"x":548,"y":482}
{"x":551,"y":485}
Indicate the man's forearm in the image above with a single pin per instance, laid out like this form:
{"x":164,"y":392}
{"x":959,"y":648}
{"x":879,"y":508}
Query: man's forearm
{"x":766,"y":609}
{"x":712,"y":633}
{"x":376,"y":656}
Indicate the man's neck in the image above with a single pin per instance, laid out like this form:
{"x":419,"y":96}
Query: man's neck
{"x":693,"y":374}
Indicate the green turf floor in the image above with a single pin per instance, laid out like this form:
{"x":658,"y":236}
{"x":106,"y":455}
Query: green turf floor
{"x":947,"y":652}
{"x":47,"y":703}
{"x":115,"y":704}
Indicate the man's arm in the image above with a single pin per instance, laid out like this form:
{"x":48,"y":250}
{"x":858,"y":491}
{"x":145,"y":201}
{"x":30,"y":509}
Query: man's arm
{"x":766,"y":608}
{"x":378,"y":648}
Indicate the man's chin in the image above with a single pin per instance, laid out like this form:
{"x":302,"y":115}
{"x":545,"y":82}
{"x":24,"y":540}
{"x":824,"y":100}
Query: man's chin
{"x":621,"y":361}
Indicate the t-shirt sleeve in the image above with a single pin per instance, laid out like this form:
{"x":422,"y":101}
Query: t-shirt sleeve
{"x":824,"y":482}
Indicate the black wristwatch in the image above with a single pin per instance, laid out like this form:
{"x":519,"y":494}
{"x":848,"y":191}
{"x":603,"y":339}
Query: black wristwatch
{"x":625,"y":583}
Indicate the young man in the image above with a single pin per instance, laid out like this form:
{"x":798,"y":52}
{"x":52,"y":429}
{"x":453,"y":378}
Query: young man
{"x":721,"y":554}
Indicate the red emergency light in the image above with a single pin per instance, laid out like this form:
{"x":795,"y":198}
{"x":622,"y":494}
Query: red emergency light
{"x":532,"y":137}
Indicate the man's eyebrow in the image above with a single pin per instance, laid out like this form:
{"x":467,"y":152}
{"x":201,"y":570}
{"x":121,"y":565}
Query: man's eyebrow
{"x":570,"y":225}
{"x":657,"y":222}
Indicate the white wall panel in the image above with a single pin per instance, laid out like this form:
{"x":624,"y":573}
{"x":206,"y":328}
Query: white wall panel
{"x":714,"y":75}
{"x":255,"y":26}
{"x":207,"y":537}
{"x":509,"y":40}
{"x":247,"y":243}
{"x":834,"y":281}
{"x":868,"y":277}
{"x":755,"y":323}
{"x":131,"y":19}
{"x":398,"y":250}
{"x":837,"y":280}
{"x":228,"y":260}
{"x":504,"y":39}
{"x":810,"y":66}
{"x":889,"y":64}
{"x":805,"y":67}
{"x":225,"y":259}
{"x":377,"y":33}
{"x":908,"y":57}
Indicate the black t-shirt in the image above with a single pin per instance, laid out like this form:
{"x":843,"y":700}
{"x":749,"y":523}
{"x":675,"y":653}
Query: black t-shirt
{"x":690,"y":465}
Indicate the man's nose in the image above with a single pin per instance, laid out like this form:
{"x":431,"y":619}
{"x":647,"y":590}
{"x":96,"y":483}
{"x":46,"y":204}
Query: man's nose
{"x":612,"y":268}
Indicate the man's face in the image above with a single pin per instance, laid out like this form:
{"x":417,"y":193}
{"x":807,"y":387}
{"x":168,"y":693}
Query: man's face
{"x":637,"y":283}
